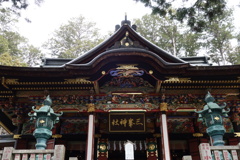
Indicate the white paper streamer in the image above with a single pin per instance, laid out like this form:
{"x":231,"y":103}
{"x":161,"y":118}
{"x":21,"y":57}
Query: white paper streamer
{"x":114,"y":145}
{"x":120,"y":145}
{"x":140,"y":145}
{"x":135,"y":146}
{"x":145,"y":145}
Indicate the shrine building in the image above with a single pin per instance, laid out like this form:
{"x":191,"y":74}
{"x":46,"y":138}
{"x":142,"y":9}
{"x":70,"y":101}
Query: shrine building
{"x":126,"y":89}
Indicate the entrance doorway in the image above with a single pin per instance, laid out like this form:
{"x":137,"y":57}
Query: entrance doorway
{"x":116,"y":150}
{"x":120,"y":155}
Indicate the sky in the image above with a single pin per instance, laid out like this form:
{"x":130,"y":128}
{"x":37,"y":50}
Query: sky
{"x":105,"y":13}
{"x":53,"y":13}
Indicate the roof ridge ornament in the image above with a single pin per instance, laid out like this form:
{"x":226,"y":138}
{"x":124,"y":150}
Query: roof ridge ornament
{"x":126,"y":22}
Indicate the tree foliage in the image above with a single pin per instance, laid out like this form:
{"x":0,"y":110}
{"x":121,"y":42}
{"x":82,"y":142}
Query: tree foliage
{"x":7,"y":19}
{"x":188,"y":10}
{"x":8,"y":60}
{"x":15,"y":49}
{"x":218,"y":38}
{"x":179,"y":40}
{"x":168,"y":34}
{"x":20,"y":4}
{"x":74,"y":38}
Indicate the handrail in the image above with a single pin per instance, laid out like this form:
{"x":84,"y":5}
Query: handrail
{"x":218,"y":152}
{"x":9,"y":153}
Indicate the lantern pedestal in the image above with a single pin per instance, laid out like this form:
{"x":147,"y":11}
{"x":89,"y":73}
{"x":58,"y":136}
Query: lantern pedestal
{"x":216,"y":133}
{"x":42,"y":135}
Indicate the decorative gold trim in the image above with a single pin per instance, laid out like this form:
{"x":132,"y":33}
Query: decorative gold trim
{"x":163,"y":107}
{"x":17,"y":136}
{"x":77,"y":80}
{"x":11,"y":81}
{"x":6,"y":96}
{"x":157,"y":135}
{"x":237,"y":134}
{"x":192,"y":87}
{"x":5,"y":92}
{"x":67,"y":81}
{"x":127,"y":66}
{"x":176,"y":79}
{"x":127,"y":110}
{"x":91,"y":107}
{"x":197,"y":135}
{"x":180,"y":80}
{"x":57,"y":136}
{"x":232,"y":94}
{"x":97,"y":135}
{"x":131,"y":93}
{"x":3,"y":82}
{"x":52,"y":88}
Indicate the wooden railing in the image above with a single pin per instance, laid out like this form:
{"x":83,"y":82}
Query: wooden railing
{"x":9,"y":153}
{"x":206,"y":152}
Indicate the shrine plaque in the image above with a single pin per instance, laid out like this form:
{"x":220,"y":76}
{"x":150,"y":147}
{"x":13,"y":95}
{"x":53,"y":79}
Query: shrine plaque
{"x":126,"y":122}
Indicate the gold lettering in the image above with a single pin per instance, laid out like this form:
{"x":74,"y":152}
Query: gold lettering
{"x":138,"y":121}
{"x":123,"y":122}
{"x":131,"y":122}
{"x":115,"y":122}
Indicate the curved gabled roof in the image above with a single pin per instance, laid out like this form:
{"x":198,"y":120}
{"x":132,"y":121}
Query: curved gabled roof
{"x":125,"y":46}
{"x":135,"y":42}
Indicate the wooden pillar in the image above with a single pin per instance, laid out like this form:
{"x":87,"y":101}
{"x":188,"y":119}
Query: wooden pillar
{"x":165,"y":139}
{"x":90,"y":137}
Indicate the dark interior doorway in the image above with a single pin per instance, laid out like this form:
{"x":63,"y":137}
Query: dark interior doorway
{"x":120,"y":155}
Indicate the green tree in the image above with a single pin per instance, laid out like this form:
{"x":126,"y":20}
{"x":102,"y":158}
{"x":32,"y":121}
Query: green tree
{"x":168,"y":34}
{"x":191,"y":43}
{"x":234,"y":57}
{"x":3,"y":45}
{"x":161,"y":31}
{"x":15,"y":48}
{"x":32,"y":55}
{"x":15,"y":42}
{"x":8,"y":60}
{"x":218,"y":38}
{"x":188,"y":10}
{"x":74,"y":38}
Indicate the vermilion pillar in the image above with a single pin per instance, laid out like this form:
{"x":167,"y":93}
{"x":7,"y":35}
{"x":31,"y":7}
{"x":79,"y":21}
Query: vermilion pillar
{"x":90,"y":137}
{"x":165,"y":139}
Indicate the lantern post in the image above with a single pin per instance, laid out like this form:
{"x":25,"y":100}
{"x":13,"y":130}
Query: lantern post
{"x":45,"y":120}
{"x":212,"y":115}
